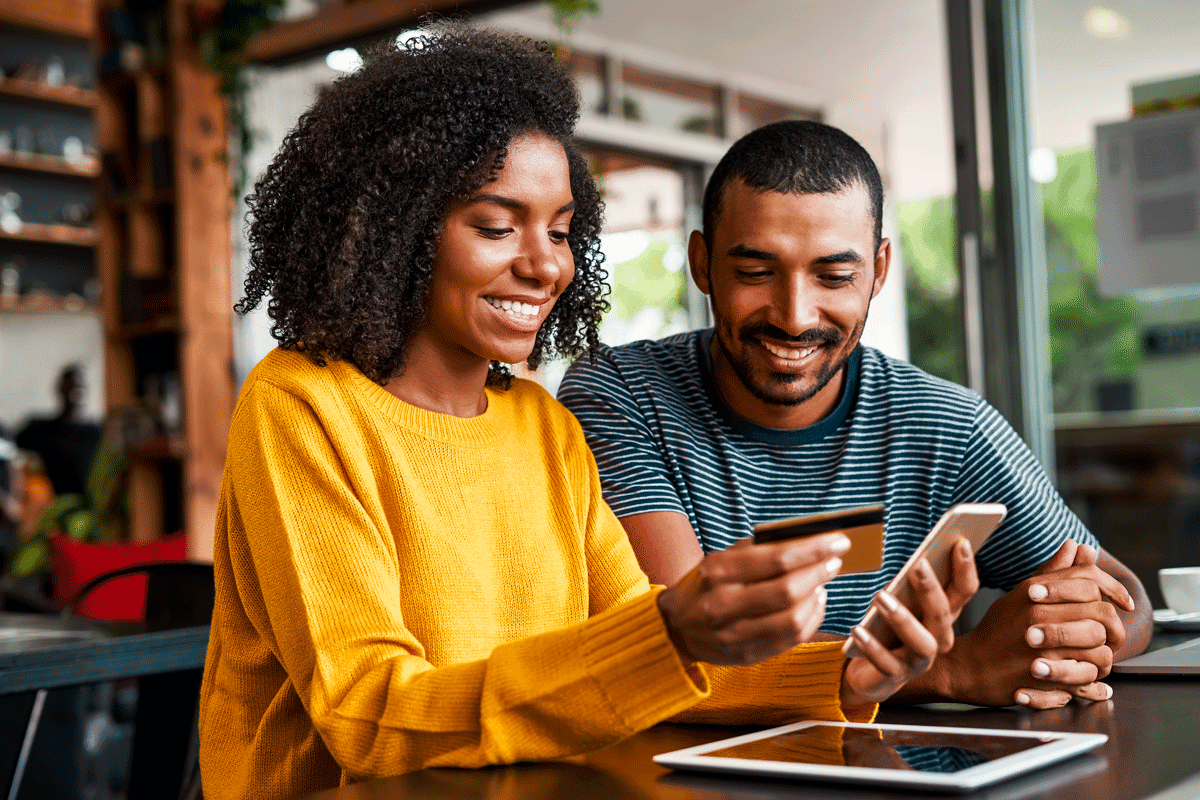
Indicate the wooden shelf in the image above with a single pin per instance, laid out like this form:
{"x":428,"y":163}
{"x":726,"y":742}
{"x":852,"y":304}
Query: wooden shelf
{"x":72,"y":18}
{"x":53,"y":234}
{"x":46,"y":305}
{"x":87,"y":167}
{"x":42,"y":94}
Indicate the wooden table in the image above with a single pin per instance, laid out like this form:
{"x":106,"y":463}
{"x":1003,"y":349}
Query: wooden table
{"x":1154,"y":744}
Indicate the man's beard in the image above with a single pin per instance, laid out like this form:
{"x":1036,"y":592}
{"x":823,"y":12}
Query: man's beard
{"x":771,"y":389}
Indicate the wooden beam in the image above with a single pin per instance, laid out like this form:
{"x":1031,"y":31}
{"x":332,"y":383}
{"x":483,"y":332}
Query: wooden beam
{"x":73,"y":18}
{"x":353,"y":24}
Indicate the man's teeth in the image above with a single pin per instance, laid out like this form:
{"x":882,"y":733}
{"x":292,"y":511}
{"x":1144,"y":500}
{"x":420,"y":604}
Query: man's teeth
{"x":790,"y":355}
{"x":518,"y":308}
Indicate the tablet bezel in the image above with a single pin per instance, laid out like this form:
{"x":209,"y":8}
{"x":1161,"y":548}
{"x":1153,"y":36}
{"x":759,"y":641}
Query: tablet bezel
{"x":1064,"y":746}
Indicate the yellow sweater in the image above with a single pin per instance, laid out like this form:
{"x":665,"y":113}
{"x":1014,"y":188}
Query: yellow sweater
{"x":399,"y":589}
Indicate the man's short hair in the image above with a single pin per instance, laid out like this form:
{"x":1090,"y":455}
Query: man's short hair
{"x":795,"y":157}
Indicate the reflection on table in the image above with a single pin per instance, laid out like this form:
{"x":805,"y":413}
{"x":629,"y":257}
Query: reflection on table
{"x":1154,"y":743}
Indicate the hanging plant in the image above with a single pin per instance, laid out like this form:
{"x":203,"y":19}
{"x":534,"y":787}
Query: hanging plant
{"x":238,"y":21}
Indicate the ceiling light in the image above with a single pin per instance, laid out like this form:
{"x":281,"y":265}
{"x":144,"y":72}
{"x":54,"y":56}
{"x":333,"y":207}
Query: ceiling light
{"x":1043,"y":164}
{"x":347,"y":60}
{"x":407,"y":36}
{"x":1104,"y":23}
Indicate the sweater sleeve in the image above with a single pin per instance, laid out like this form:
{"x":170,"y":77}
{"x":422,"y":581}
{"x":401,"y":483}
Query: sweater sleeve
{"x":803,"y":683}
{"x":318,"y":579}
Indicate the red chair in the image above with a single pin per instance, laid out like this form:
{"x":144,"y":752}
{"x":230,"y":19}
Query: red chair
{"x":73,"y":564}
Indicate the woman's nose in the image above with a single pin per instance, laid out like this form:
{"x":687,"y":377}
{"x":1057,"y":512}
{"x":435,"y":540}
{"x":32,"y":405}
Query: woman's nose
{"x":540,"y":260}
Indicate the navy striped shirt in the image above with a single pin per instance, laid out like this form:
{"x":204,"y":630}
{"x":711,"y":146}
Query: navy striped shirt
{"x":665,"y":440}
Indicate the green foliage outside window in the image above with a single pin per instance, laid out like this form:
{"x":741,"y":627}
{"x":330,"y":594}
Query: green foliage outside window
{"x":1093,"y":337}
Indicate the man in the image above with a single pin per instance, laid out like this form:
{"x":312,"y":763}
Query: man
{"x":778,"y":411}
{"x":66,"y":443}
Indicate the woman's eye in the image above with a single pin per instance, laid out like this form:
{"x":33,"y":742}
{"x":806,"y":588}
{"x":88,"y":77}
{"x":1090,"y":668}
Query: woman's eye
{"x":494,"y":233}
{"x":558,"y":236}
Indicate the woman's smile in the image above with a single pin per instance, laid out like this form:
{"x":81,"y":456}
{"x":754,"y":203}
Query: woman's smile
{"x":521,"y":316}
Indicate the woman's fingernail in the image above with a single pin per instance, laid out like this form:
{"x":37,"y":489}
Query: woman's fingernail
{"x":1107,"y":691}
{"x":926,"y":570}
{"x":1034,"y":637}
{"x":838,"y":544}
{"x":1041,"y":669}
{"x":822,"y":595}
{"x":861,"y":633}
{"x":833,"y":565}
{"x":1038,"y":592}
{"x":888,"y":601}
{"x":1022,"y":698}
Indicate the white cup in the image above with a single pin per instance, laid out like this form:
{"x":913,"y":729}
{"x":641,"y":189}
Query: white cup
{"x":1181,"y":588}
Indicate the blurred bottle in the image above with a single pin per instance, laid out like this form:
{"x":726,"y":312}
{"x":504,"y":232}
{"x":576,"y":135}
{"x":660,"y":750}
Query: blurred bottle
{"x":10,"y":283}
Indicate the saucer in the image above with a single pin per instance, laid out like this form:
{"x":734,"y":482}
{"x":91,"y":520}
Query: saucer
{"x":1167,"y":619}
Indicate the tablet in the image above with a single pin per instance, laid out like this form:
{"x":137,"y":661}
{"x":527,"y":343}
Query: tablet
{"x":905,"y":756}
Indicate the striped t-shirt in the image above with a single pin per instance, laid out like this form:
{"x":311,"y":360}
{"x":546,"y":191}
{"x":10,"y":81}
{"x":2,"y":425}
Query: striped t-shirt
{"x":665,"y":440}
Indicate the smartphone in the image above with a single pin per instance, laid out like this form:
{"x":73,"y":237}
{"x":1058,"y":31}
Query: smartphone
{"x":863,"y":526}
{"x":971,"y":521}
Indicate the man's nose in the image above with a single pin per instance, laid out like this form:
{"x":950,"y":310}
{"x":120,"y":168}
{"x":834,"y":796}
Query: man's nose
{"x":796,"y":308}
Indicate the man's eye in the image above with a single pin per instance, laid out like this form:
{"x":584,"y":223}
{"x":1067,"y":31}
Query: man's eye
{"x":753,"y":275}
{"x":838,"y":279}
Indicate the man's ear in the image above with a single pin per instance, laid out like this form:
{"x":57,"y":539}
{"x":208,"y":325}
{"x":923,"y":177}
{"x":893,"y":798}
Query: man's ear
{"x":883,"y":260}
{"x":698,"y":261}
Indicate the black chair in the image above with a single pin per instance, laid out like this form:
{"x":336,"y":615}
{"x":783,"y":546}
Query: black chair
{"x":165,"y":757}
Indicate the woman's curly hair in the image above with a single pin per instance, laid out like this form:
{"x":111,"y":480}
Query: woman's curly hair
{"x":344,"y":223}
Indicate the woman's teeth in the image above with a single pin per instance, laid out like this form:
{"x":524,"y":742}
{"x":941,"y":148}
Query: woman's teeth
{"x":515,"y":308}
{"x":790,"y":355}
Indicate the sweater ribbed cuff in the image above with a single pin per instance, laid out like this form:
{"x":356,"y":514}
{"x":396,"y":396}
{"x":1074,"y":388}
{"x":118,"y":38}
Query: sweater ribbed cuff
{"x":639,"y":670}
{"x":812,"y":680}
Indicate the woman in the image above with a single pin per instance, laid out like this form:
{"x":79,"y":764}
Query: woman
{"x":414,"y":563}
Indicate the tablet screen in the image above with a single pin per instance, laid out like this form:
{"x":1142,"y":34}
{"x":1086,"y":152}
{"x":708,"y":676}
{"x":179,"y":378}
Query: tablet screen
{"x":928,"y":750}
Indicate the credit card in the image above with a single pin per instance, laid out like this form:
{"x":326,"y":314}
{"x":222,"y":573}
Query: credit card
{"x":862,"y":525}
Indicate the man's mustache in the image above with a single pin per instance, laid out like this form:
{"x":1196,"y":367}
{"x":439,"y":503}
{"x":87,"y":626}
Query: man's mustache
{"x":754,"y":330}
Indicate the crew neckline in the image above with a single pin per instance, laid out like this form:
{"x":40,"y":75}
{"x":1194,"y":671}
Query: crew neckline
{"x":782,"y":436}
{"x":482,"y":429}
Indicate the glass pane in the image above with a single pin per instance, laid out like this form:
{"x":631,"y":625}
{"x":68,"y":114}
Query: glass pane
{"x":589,"y":77}
{"x":643,"y":245}
{"x":1117,"y":139}
{"x":754,"y":112}
{"x":669,"y":102}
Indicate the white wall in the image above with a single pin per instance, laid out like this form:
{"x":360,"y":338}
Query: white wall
{"x":34,"y":348}
{"x":277,"y":99}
